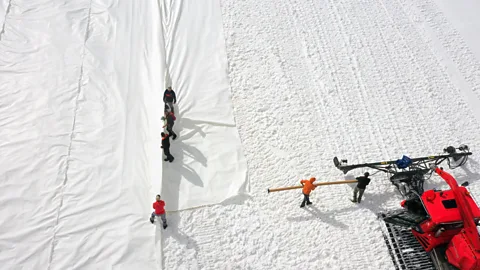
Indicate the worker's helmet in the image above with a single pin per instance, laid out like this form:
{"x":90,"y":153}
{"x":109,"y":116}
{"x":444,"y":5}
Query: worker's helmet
{"x":366,"y":174}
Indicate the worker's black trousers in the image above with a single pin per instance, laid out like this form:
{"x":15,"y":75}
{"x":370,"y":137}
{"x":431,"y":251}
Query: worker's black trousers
{"x":358,"y":191}
{"x":170,"y":131}
{"x":169,"y":107}
{"x":166,"y":151}
{"x":306,"y":199}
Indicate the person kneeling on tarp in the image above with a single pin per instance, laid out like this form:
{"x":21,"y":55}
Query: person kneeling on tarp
{"x":166,"y":147}
{"x":159,"y":207}
{"x":308,"y":186}
{"x":363,"y":182}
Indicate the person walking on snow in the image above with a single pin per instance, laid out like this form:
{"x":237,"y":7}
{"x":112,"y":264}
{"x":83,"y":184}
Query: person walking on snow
{"x":170,"y":117}
{"x":169,"y":98}
{"x":159,"y":207}
{"x":166,"y":147}
{"x":362,"y":184}
{"x":308,"y":186}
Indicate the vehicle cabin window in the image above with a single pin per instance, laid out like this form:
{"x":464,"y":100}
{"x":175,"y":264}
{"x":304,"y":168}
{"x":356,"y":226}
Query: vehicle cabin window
{"x":406,"y":219}
{"x":449,"y":204}
{"x":451,"y":226}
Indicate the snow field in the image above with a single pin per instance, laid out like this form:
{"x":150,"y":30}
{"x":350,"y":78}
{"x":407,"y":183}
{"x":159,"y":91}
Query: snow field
{"x":313,"y":80}
{"x":80,"y":105}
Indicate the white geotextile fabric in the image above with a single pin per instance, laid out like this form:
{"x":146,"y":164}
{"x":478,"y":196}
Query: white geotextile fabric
{"x":81,"y":86}
{"x":209,"y":165}
{"x":4,"y":4}
{"x":79,"y":134}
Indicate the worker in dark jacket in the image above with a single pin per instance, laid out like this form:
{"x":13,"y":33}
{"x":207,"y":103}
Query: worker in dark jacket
{"x":169,"y":98}
{"x":170,"y":117}
{"x":166,"y":147}
{"x":362,"y":184}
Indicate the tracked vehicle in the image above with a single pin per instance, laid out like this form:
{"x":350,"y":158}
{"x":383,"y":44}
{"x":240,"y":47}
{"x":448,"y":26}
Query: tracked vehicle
{"x":433,"y":229}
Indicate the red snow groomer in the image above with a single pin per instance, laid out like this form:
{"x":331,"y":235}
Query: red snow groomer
{"x":435,"y":229}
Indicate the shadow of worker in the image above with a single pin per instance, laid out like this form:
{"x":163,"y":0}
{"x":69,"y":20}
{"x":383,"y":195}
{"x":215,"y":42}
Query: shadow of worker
{"x":187,"y":157}
{"x":470,"y":176}
{"x":180,"y":237}
{"x":324,"y":216}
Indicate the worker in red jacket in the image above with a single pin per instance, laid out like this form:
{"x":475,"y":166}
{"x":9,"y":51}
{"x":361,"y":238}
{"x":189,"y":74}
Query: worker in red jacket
{"x":308,"y":186}
{"x":159,"y":207}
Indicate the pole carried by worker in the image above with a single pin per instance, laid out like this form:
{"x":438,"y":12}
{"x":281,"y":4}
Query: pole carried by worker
{"x":317,"y":184}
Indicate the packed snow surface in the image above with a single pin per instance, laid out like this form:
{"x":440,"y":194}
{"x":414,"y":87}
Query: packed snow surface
{"x":361,"y":80}
{"x":275,"y":87}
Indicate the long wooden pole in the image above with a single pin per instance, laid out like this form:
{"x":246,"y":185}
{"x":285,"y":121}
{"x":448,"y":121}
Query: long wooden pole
{"x":318,"y":184}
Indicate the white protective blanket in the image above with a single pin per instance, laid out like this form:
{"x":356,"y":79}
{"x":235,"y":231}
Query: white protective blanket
{"x":79,"y":133}
{"x":209,"y":165}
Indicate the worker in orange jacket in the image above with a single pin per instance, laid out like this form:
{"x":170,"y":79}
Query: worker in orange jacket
{"x":308,"y":186}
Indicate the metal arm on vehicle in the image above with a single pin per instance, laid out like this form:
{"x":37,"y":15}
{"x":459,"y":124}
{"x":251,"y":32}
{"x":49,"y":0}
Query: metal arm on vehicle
{"x":421,"y":163}
{"x":408,"y":174}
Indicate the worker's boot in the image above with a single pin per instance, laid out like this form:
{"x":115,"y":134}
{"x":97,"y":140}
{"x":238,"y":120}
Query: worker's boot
{"x":308,"y":203}
{"x":152,"y":220}
{"x":303,"y":204}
